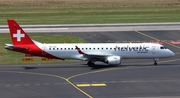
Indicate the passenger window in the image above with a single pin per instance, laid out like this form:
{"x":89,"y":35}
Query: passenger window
{"x":161,"y":47}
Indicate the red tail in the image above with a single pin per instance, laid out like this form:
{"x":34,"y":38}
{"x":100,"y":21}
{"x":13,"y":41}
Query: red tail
{"x":18,"y":36}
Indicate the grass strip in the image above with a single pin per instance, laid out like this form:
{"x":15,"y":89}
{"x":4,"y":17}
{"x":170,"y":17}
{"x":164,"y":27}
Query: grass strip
{"x":91,"y":15}
{"x":89,"y":11}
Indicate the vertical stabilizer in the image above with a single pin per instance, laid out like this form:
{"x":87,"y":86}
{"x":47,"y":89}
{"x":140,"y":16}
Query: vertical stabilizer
{"x":18,"y":36}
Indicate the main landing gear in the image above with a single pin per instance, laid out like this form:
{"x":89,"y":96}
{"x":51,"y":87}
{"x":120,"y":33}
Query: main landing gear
{"x":90,"y":64}
{"x":155,"y":61}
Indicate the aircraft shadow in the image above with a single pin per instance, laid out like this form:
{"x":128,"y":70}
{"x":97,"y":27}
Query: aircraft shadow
{"x":97,"y":67}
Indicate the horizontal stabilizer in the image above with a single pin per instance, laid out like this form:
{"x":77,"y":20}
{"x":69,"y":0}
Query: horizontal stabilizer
{"x":12,"y":47}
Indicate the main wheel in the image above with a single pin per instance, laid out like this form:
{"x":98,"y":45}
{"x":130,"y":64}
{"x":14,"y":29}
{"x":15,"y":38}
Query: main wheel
{"x":155,"y":61}
{"x":90,"y":64}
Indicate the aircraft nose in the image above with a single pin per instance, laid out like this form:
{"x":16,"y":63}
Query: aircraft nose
{"x":171,"y":53}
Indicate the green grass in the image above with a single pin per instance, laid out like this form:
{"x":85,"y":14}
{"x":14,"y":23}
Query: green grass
{"x":91,"y":15}
{"x":89,"y":11}
{"x":10,"y":57}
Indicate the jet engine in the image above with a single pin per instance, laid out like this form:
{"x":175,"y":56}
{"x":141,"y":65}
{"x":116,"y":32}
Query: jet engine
{"x":113,"y":60}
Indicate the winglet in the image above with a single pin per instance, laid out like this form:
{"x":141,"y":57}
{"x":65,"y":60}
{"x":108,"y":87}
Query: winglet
{"x":78,"y":49}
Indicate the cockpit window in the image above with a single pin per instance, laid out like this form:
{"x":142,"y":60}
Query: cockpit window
{"x":162,"y":47}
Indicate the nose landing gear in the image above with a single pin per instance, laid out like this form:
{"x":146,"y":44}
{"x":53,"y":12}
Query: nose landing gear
{"x":155,"y":61}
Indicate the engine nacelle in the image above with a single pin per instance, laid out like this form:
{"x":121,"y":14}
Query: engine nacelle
{"x":113,"y":60}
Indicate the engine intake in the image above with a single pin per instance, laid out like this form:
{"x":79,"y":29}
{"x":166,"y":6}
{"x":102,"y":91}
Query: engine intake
{"x":113,"y":60}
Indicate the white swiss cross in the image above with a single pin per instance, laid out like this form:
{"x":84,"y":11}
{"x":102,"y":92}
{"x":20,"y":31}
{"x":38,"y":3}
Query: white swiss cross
{"x":18,"y":35}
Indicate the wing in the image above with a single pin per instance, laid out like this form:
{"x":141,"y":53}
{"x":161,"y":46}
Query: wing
{"x":93,"y":56}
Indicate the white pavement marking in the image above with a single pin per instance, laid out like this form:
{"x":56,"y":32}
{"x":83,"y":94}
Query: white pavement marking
{"x":96,"y":27}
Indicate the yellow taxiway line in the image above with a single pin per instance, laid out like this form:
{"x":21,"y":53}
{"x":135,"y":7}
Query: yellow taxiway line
{"x":87,"y":85}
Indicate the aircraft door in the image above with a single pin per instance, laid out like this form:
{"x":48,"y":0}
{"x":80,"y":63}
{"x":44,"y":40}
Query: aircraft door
{"x":153,"y":49}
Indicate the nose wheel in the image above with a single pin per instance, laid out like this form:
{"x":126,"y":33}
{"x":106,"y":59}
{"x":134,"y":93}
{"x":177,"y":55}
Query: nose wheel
{"x":155,"y":61}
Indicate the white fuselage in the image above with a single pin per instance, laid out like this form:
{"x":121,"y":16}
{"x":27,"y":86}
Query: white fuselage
{"x":124,"y":50}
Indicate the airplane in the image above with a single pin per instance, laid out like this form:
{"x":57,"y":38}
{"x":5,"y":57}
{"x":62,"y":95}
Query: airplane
{"x":109,"y":53}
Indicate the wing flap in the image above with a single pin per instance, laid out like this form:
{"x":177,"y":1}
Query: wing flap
{"x":97,"y":54}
